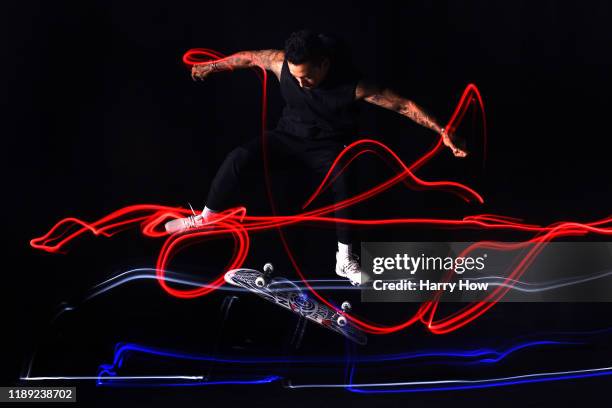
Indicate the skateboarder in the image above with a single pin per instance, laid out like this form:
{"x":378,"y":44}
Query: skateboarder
{"x":320,"y":89}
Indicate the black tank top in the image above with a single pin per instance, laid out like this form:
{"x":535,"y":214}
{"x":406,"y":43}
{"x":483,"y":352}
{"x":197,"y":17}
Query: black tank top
{"x":328,"y":111}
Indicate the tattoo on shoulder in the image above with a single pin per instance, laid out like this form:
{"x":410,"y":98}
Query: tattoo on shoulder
{"x":384,"y":101}
{"x":366,"y":91}
{"x":270,"y":57}
{"x":271,"y":60}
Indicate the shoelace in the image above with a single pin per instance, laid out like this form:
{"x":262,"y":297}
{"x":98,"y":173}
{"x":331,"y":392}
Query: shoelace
{"x":190,"y":222}
{"x":353,"y":265}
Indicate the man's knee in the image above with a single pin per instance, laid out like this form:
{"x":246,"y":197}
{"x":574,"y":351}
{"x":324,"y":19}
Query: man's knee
{"x":239,"y":158}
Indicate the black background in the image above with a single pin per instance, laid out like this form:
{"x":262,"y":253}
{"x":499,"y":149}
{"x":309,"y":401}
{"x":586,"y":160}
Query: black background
{"x":99,"y":113}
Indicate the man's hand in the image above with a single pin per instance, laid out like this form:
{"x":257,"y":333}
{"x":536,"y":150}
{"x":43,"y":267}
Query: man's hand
{"x":200,"y":71}
{"x":446,"y":139}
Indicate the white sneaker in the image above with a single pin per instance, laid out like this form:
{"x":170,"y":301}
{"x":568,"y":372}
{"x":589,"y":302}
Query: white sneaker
{"x":185,"y":224}
{"x":194,"y":221}
{"x":348,"y":266}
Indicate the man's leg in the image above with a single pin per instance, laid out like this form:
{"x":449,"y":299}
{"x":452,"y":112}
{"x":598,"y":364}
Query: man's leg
{"x":319,"y":157}
{"x":224,"y":188}
{"x":240,"y":163}
{"x":225,"y":185}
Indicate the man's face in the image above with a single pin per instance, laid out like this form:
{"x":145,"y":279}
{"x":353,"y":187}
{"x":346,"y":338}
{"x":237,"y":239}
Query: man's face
{"x":309,"y":75}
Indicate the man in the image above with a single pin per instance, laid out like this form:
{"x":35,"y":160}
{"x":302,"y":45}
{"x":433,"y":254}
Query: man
{"x":320,"y":90}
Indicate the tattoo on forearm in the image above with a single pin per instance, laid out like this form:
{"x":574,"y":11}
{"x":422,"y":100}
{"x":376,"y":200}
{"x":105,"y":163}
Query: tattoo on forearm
{"x":248,"y":59}
{"x":389,"y":100}
{"x":267,"y":59}
{"x":416,"y":113}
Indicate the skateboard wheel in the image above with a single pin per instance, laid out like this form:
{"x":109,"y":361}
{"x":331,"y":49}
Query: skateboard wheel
{"x":341,"y":321}
{"x":260,"y":282}
{"x":268,"y":268}
{"x":346,"y":306}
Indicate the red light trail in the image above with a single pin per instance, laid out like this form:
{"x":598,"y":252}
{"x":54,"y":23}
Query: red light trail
{"x":236,"y":223}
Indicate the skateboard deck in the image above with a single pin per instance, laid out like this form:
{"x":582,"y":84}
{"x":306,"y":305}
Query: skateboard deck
{"x":284,"y":293}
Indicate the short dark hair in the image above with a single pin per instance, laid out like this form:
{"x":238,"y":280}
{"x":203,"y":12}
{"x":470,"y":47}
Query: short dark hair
{"x":305,"y":46}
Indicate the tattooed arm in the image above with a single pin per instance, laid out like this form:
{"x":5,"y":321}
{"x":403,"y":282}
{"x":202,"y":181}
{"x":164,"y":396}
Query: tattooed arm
{"x":271,"y":60}
{"x":388,"y":99}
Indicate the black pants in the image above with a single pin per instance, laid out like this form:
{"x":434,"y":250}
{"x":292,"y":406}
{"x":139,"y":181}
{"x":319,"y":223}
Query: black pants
{"x":316,"y":156}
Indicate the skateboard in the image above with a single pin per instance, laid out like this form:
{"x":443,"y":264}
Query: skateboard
{"x":285,"y":293}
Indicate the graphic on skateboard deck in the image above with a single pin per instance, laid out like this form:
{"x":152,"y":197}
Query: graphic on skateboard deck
{"x":285,"y":293}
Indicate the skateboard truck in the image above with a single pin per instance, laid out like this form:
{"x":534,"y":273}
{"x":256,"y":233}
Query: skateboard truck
{"x":346,"y":307}
{"x":263,"y":281}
